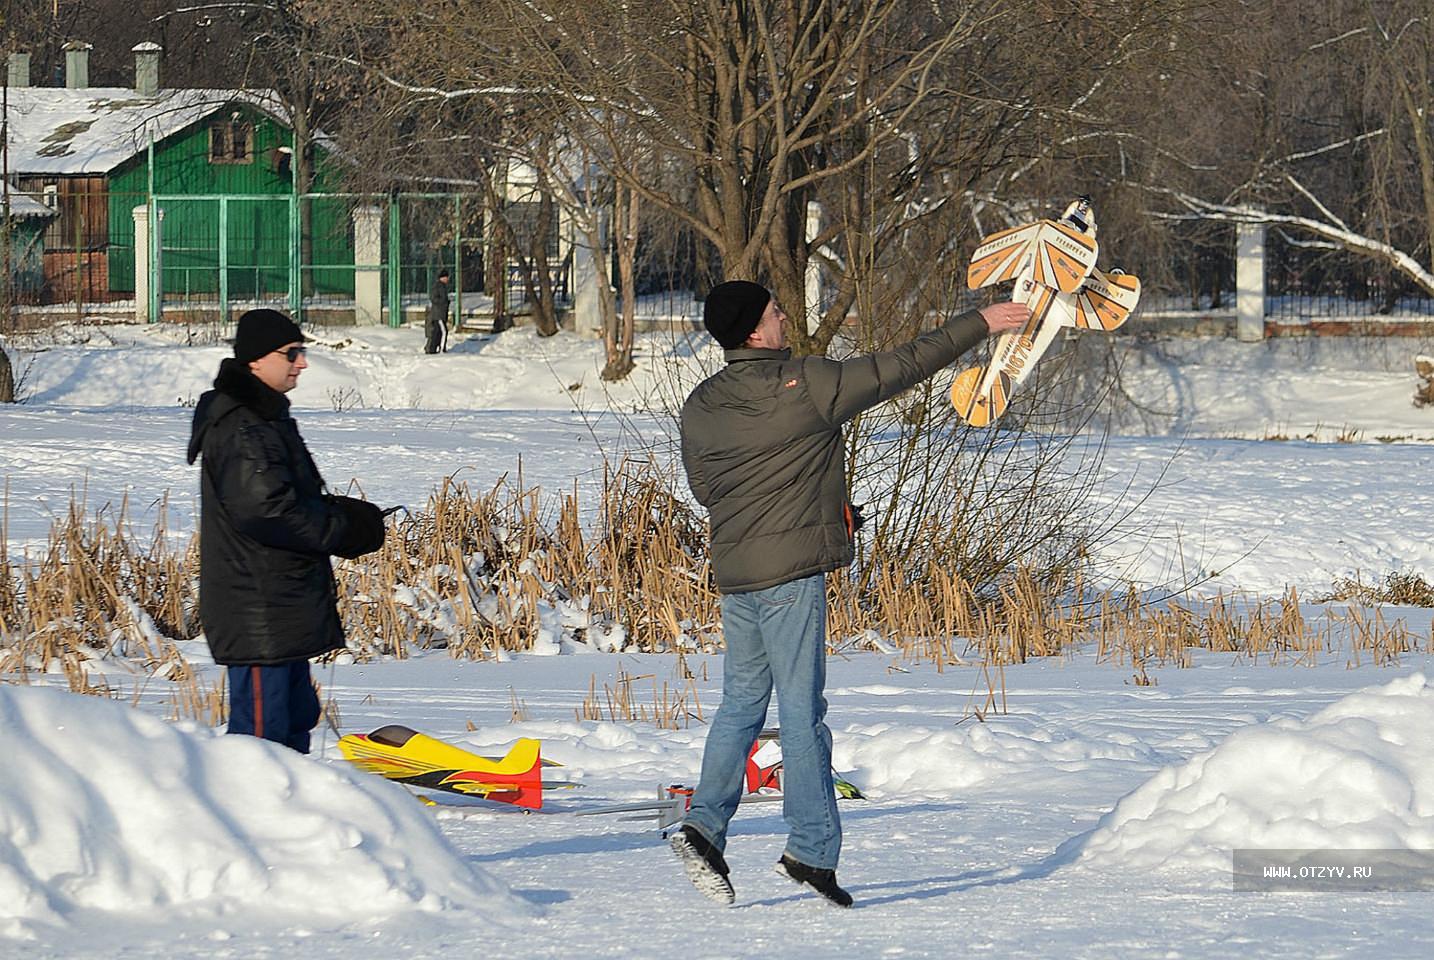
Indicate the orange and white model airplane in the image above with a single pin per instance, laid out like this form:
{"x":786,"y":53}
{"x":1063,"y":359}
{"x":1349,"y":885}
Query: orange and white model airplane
{"x":1053,"y":264}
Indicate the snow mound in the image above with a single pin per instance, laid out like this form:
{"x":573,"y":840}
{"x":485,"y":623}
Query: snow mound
{"x":1357,"y":775}
{"x":895,"y":759}
{"x":105,"y":808}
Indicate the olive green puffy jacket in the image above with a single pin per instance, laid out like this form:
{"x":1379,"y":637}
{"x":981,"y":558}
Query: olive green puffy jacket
{"x":762,"y":445}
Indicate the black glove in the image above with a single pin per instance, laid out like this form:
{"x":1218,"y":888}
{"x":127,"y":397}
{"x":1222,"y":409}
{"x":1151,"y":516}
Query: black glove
{"x":364,"y":530}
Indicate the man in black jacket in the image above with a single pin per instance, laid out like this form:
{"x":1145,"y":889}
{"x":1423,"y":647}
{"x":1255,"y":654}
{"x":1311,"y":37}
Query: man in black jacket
{"x":436,"y":327}
{"x":267,"y":598}
{"x":762,"y":446}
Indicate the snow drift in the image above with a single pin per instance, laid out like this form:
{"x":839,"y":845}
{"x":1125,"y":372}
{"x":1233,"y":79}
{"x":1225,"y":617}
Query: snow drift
{"x":1358,"y":774}
{"x":105,"y":808}
{"x":898,"y":760}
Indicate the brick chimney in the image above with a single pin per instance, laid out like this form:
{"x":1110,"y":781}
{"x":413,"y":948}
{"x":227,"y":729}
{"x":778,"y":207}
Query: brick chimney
{"x":146,"y":68}
{"x":19,"y":69}
{"x":77,"y":64}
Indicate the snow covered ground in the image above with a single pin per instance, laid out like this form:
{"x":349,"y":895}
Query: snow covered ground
{"x":1093,"y":818}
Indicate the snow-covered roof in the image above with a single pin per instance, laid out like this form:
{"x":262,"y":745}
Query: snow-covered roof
{"x":57,"y":130}
{"x":23,"y":206}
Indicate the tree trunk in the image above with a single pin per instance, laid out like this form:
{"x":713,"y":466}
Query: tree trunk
{"x":626,"y":215}
{"x":7,"y":378}
{"x":301,"y":164}
{"x":545,"y":314}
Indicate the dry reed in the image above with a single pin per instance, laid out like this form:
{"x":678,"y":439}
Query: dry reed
{"x":673,"y":706}
{"x":483,"y":573}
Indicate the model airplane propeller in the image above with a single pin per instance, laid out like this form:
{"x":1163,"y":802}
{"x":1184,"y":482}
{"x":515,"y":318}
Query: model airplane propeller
{"x":1053,"y":264}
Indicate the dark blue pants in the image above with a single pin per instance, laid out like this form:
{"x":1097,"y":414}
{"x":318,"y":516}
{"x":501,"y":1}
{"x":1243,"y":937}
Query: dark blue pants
{"x":276,"y":703}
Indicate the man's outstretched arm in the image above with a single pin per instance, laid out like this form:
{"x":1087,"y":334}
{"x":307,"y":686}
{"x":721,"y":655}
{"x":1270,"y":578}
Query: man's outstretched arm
{"x":843,"y":390}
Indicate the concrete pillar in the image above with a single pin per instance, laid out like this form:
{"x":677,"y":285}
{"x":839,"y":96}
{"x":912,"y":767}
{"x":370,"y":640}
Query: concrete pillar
{"x":77,"y":65}
{"x":368,"y":265}
{"x":141,"y":263}
{"x":18,"y":69}
{"x":589,"y":270}
{"x":146,"y":68}
{"x":813,"y":279}
{"x":1250,"y":281}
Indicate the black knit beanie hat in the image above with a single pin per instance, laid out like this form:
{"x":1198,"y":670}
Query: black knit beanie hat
{"x":261,"y":332}
{"x":732,"y":311}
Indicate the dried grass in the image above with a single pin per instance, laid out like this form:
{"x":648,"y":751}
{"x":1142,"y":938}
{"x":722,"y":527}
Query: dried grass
{"x":1407,"y":588}
{"x":673,"y":706}
{"x":485,"y":573}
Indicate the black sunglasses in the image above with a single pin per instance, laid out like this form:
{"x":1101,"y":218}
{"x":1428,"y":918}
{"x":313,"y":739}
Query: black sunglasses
{"x":293,"y":353}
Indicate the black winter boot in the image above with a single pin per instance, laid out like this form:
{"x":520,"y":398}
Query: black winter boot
{"x":815,"y":878}
{"x":704,"y":865}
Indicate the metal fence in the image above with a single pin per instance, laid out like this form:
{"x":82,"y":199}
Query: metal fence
{"x":210,"y":257}
{"x":1304,"y":282}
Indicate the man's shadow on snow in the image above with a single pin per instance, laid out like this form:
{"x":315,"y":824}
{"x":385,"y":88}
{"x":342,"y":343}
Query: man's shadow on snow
{"x":469,"y":344}
{"x":928,"y":888}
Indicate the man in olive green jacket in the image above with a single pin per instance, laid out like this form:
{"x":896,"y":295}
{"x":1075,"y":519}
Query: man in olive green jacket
{"x":762,"y":446}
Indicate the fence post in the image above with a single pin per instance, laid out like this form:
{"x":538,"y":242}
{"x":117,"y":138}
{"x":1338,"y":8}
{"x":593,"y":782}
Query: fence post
{"x":141,"y":263}
{"x":156,"y":261}
{"x":1250,"y":281}
{"x":296,"y":266}
{"x":368,"y":265}
{"x":395,"y":265}
{"x":457,"y":269}
{"x":813,"y":278}
{"x":224,"y":259}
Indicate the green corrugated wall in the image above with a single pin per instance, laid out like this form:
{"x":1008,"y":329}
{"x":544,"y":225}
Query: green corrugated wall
{"x":258,"y":230}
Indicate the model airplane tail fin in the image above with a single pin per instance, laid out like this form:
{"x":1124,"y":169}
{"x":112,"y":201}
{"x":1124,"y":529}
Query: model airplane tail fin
{"x":516,"y":779}
{"x":975,"y":406}
{"x":1105,"y":301}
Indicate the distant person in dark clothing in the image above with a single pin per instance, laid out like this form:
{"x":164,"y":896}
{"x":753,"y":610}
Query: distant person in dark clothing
{"x":437,"y":324}
{"x":267,"y":599}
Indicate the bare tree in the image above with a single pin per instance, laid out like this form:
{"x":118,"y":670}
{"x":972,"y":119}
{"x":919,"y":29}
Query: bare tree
{"x":751,"y":106}
{"x":909,"y":127}
{"x":7,"y":376}
{"x":1323,"y":132}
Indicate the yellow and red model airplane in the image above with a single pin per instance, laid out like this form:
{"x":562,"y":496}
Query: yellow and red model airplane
{"x":413,"y":759}
{"x":1053,"y":264}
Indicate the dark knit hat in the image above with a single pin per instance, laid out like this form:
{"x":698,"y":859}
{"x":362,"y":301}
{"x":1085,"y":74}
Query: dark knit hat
{"x":732,"y":311}
{"x":262,"y":332}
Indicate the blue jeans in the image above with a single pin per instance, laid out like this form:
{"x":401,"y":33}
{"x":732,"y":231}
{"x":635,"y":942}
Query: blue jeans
{"x":775,"y":637}
{"x":276,"y":703}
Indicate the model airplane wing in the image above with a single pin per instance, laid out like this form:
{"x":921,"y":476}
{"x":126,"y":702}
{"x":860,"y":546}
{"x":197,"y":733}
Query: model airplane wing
{"x":1104,"y":301}
{"x":1056,"y":254}
{"x":411,"y":758}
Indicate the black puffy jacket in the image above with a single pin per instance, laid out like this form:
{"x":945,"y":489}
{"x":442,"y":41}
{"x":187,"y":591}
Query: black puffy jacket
{"x":267,"y":528}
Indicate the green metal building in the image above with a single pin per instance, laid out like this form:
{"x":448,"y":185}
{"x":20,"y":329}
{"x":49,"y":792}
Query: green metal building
{"x":215,"y":162}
